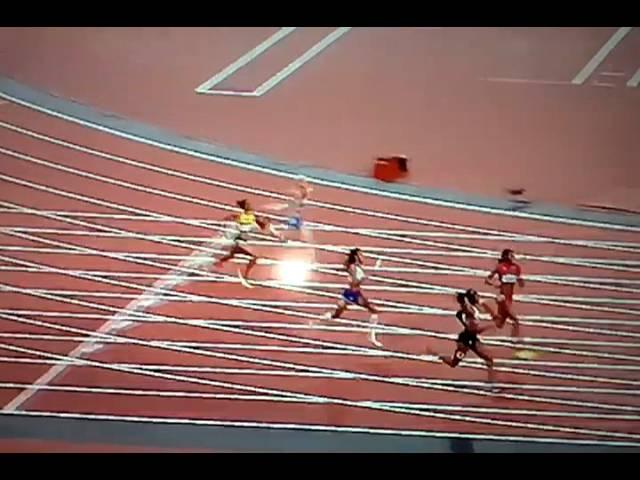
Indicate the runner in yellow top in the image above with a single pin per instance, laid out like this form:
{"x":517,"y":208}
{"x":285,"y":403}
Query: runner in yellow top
{"x":236,"y":236}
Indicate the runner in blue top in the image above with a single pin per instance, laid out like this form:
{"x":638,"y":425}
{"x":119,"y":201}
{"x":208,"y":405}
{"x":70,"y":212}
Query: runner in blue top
{"x":294,"y":206}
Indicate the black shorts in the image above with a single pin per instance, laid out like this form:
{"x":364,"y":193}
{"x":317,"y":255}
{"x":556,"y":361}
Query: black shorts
{"x":468,"y":339}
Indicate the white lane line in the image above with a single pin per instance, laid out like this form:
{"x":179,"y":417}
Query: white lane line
{"x":322,"y":428}
{"x":355,"y":329}
{"x":460,"y":236}
{"x":219,"y":226}
{"x":328,"y":183}
{"x":419,"y":308}
{"x":120,"y":320}
{"x":581,"y":282}
{"x":291,"y":373}
{"x":584,"y":282}
{"x":631,"y":247}
{"x":562,"y":260}
{"x":426,"y":266}
{"x":612,"y":74}
{"x":315,"y":203}
{"x":531,"y":81}
{"x":539,"y":321}
{"x":176,"y":276}
{"x":422,"y":309}
{"x":307,"y":56}
{"x":600,"y":55}
{"x":292,"y":349}
{"x":244,"y":60}
{"x":298,"y":367}
{"x":336,"y":401}
{"x":281,"y":325}
{"x":301,"y":340}
{"x":181,"y":245}
{"x":635,"y":80}
{"x":278,"y":399}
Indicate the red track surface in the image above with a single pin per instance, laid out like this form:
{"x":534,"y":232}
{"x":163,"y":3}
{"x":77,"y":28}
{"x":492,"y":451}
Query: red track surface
{"x":69,"y":213}
{"x":421,"y":92}
{"x":243,"y":369}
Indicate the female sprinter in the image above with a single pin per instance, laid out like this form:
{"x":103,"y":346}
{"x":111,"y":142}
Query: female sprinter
{"x":244,"y":223}
{"x":509,"y":274}
{"x":353,"y":295}
{"x":467,"y":314}
{"x":299,"y":195}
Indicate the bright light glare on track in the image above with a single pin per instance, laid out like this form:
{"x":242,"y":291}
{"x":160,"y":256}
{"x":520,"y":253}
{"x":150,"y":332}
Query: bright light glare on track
{"x":293,"y":272}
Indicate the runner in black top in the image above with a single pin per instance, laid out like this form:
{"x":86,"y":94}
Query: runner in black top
{"x":467,"y":315}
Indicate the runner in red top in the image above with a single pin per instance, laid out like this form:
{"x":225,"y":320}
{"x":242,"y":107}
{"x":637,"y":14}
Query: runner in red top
{"x":509,"y":274}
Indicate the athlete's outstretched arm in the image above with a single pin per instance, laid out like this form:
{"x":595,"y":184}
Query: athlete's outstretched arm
{"x":489,"y":278}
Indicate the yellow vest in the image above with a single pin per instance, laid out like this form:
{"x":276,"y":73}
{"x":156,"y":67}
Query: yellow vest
{"x":246,"y":220}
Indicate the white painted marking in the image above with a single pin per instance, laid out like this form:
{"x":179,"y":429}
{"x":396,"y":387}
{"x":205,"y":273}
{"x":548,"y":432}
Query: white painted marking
{"x":314,"y":350}
{"x":279,"y":399}
{"x":297,"y":326}
{"x":333,"y":400}
{"x":194,"y":200}
{"x":229,"y":93}
{"x":118,"y":321}
{"x":244,"y":60}
{"x":407,"y":308}
{"x":300,"y":340}
{"x":599,"y":57}
{"x":300,"y":61}
{"x":635,"y":80}
{"x":209,"y":181}
{"x":531,"y":81}
{"x":291,"y":373}
{"x":346,"y":374}
{"x":136,"y":260}
{"x":419,"y":309}
{"x":596,"y":83}
{"x":328,"y":183}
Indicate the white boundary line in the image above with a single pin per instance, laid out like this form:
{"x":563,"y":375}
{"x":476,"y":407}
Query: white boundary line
{"x":594,"y":263}
{"x":557,"y":279}
{"x":345,"y":374}
{"x":139,"y":260}
{"x":635,"y":80}
{"x":277,"y":78}
{"x":245,"y":59}
{"x":280,"y":325}
{"x":317,"y":369}
{"x":291,"y":373}
{"x":360,"y":211}
{"x":219,"y":226}
{"x":398,"y":285}
{"x":319,"y":181}
{"x":301,"y":340}
{"x":290,"y":69}
{"x":333,"y":351}
{"x":418,"y":308}
{"x":278,"y":399}
{"x":370,"y":405}
{"x":529,"y":81}
{"x":600,"y":55}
